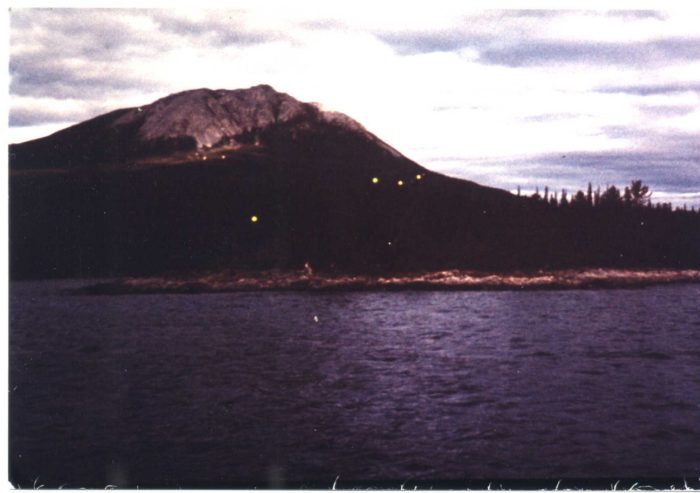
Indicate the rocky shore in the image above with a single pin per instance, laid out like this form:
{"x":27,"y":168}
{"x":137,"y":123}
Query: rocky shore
{"x":443,"y":280}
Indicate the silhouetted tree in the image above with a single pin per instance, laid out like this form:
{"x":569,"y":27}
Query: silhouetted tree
{"x":589,"y":194}
{"x":627,"y":197}
{"x":639,"y":193}
{"x":564,"y":201}
{"x":611,"y":197}
{"x":536,"y":195}
{"x":579,"y":199}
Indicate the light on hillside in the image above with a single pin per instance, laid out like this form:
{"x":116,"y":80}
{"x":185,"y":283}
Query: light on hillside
{"x":400,"y":183}
{"x":419,"y":177}
{"x":253,"y":219}
{"x":375,"y":180}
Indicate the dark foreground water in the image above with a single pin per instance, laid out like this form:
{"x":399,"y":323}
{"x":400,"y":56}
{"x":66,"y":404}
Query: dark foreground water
{"x":301,"y":388}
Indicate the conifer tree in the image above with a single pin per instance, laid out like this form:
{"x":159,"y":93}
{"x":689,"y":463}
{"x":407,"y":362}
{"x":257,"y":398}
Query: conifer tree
{"x":537,"y":195}
{"x":589,"y":194}
{"x":611,"y":196}
{"x":639,"y":193}
{"x":579,"y":199}
{"x":627,"y":196}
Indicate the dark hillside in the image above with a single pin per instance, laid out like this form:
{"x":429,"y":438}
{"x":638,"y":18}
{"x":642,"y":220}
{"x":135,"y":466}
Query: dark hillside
{"x":253,"y":179}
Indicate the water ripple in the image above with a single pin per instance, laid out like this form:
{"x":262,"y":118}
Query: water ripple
{"x":223,"y":388}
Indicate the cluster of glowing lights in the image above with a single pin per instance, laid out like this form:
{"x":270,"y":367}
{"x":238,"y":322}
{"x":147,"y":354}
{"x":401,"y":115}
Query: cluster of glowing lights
{"x":399,"y":183}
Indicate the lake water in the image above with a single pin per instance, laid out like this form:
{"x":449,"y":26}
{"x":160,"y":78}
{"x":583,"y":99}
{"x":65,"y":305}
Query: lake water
{"x":295,"y":388}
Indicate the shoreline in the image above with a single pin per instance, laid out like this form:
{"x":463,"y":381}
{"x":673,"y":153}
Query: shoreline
{"x":451,"y":280}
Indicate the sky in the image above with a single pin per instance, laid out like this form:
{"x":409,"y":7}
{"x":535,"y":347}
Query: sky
{"x":506,"y":98}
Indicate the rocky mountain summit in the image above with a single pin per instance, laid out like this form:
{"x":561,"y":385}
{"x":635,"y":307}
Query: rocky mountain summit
{"x":195,"y":120}
{"x":215,"y":117}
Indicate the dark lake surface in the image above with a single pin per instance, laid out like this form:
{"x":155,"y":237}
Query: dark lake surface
{"x":301,"y":388}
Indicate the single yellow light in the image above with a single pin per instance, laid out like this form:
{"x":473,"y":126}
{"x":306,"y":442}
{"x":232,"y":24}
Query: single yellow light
{"x":253,"y":219}
{"x":419,"y":177}
{"x":375,"y":180}
{"x":400,"y":183}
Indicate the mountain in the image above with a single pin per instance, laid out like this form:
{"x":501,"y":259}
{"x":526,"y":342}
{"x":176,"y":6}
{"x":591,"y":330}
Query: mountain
{"x":253,"y":179}
{"x":181,"y":124}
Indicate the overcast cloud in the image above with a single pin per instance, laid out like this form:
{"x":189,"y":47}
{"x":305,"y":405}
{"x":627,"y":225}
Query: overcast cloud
{"x":505,"y":98}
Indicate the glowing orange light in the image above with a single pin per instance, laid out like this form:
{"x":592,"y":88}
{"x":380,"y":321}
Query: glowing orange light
{"x":400,"y":183}
{"x":253,"y":219}
{"x":419,"y":177}
{"x":375,"y":180}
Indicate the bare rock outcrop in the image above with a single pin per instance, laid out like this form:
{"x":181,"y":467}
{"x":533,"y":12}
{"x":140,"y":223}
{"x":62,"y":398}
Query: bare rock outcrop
{"x":212,"y":117}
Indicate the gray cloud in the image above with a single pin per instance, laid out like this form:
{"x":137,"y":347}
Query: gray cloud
{"x":652,"y":89}
{"x":430,"y":42}
{"x":23,"y":117}
{"x":670,"y":110}
{"x":63,"y":41}
{"x":676,"y":172}
{"x":40,"y":75}
{"x":75,"y":32}
{"x":638,"y":14}
{"x":676,"y":146}
{"x":511,"y":39}
{"x":228,"y":29}
{"x":529,"y":53}
{"x":550,"y":14}
{"x":621,"y":132}
{"x":471,"y":32}
{"x":525,"y":52}
{"x":99,"y":32}
{"x":106,"y":41}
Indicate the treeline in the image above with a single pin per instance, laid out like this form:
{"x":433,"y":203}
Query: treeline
{"x":635,"y":195}
{"x":190,"y":218}
{"x":612,"y":227}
